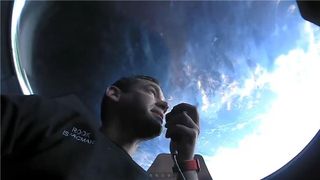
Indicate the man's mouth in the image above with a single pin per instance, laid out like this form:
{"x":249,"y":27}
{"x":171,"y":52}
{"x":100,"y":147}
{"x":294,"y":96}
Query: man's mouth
{"x":159,"y":114}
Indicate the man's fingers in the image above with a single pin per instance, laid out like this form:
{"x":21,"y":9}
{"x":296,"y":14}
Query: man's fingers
{"x":180,"y":118}
{"x":190,"y":109}
{"x":182,"y":107}
{"x":177,"y":131}
{"x":183,"y":128}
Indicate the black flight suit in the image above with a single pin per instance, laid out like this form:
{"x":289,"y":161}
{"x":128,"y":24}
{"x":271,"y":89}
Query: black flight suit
{"x":58,"y":140}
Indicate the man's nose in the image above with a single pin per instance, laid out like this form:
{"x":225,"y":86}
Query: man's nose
{"x":163,"y":105}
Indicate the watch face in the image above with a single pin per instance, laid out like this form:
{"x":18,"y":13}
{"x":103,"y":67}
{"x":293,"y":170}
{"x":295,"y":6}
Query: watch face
{"x":250,"y":67}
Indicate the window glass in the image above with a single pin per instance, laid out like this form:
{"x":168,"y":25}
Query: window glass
{"x":250,"y":67}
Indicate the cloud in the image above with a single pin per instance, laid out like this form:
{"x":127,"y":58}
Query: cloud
{"x":292,"y":8}
{"x":144,"y":158}
{"x":289,"y":124}
{"x":290,"y":121}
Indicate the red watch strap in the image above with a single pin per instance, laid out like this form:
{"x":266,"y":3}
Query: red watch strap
{"x":188,"y":165}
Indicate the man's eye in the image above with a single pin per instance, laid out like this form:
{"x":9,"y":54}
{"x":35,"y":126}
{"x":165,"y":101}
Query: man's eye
{"x":152,"y":91}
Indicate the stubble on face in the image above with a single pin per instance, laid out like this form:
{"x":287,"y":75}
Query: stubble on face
{"x":144,"y":123}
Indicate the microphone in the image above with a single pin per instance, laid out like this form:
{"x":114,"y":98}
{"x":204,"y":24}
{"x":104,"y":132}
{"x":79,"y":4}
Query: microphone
{"x":174,"y":153}
{"x":173,"y":148}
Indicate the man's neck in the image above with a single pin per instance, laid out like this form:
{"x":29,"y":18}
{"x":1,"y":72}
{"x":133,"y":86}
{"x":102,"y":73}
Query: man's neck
{"x":116,"y":134}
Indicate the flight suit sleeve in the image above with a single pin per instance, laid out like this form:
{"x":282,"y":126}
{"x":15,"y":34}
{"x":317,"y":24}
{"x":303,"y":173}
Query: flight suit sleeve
{"x":17,"y":116}
{"x":26,"y":121}
{"x":10,"y":119}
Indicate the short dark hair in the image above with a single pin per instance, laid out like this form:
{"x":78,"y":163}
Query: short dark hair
{"x":124,"y":84}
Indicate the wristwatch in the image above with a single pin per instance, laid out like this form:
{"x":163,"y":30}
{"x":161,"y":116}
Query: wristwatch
{"x":188,"y":165}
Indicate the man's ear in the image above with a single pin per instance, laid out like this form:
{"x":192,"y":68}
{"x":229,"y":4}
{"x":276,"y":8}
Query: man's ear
{"x":114,"y":93}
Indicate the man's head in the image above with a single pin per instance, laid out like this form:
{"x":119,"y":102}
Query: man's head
{"x":137,"y":104}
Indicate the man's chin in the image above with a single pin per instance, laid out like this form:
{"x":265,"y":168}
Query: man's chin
{"x":152,"y":130}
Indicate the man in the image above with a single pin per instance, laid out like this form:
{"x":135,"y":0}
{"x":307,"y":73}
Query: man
{"x":57,"y":139}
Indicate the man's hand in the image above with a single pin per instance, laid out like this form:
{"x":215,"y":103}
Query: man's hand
{"x":182,"y":125}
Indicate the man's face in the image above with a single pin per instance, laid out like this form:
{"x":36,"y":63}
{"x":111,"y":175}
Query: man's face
{"x":143,"y":108}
